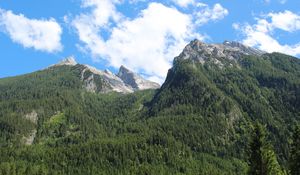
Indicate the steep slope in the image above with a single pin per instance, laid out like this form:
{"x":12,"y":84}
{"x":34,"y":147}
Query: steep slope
{"x":112,"y":82}
{"x":53,"y":106}
{"x":79,"y":132}
{"x":135,"y":81}
{"x":95,"y":80}
{"x":72,"y":119}
{"x":28,"y":100}
{"x":233,"y":85}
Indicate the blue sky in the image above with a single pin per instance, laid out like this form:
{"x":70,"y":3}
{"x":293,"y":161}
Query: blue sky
{"x":143,"y":35}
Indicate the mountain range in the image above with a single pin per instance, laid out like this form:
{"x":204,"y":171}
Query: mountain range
{"x":125,"y":81}
{"x":74,"y":119}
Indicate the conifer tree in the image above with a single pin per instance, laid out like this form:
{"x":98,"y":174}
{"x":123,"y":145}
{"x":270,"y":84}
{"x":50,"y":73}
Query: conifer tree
{"x":294,"y":161}
{"x":262,"y":158}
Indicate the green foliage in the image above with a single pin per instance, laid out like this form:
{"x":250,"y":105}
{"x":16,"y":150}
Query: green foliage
{"x":257,"y":146}
{"x":264,"y":89}
{"x":262,"y":159}
{"x":56,"y":120}
{"x":199,"y":122}
{"x":271,"y":163}
{"x":295,"y":152}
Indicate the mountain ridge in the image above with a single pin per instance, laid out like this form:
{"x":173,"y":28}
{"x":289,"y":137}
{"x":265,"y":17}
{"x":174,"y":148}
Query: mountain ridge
{"x":125,"y":81}
{"x":219,"y":53}
{"x":198,"y":122}
{"x":134,"y":80}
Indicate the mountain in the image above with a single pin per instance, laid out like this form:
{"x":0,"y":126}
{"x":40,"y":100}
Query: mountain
{"x":74,"y":119}
{"x":135,"y":81}
{"x":202,"y":52}
{"x":70,"y":61}
{"x":232,"y":85}
{"x":105,"y":81}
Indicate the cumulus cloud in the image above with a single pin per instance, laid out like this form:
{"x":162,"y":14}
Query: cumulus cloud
{"x":261,"y":34}
{"x":150,"y":41}
{"x":287,"y":21}
{"x":89,"y":25}
{"x":146,"y":44}
{"x":206,"y":14}
{"x":43,"y":35}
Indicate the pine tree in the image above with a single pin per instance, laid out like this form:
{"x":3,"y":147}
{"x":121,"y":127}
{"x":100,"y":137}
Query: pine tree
{"x":294,"y":161}
{"x":270,"y":162}
{"x":262,"y":158}
{"x":255,"y":155}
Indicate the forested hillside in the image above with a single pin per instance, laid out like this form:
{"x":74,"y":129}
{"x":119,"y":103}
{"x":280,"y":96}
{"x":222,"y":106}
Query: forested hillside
{"x":199,"y":122}
{"x":264,"y":89}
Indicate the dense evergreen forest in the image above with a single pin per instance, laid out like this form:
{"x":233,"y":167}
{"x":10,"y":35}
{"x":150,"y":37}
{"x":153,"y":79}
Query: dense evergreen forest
{"x":205,"y":120}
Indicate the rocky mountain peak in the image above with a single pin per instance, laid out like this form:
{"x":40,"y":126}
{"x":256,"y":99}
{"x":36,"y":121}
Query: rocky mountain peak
{"x":70,"y":61}
{"x":134,"y":80}
{"x":201,"y":52}
{"x":242,"y":48}
{"x":126,"y":81}
{"x":123,"y":68}
{"x":111,"y":81}
{"x":123,"y":71}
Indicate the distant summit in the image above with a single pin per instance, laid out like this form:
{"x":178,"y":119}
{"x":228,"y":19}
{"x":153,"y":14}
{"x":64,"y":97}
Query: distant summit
{"x":70,"y":61}
{"x":103,"y":81}
{"x":135,"y":81}
{"x":242,"y":48}
{"x":69,"y":118}
{"x":228,"y":50}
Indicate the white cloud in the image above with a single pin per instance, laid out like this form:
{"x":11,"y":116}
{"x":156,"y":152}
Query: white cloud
{"x":261,"y":34}
{"x":89,"y":25}
{"x":150,"y":41}
{"x":146,"y":44}
{"x":287,"y":21}
{"x":44,"y":35}
{"x":184,"y":3}
{"x":210,"y":14}
{"x":103,"y":11}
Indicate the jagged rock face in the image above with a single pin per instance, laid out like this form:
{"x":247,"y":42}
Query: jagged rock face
{"x":33,"y":117}
{"x":89,"y":83}
{"x":95,"y":80}
{"x":242,"y":48}
{"x":135,"y":81}
{"x":110,"y":82}
{"x":202,"y":52}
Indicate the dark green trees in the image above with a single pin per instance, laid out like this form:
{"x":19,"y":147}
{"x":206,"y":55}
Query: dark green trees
{"x":262,"y":158}
{"x":295,"y":153}
{"x":199,"y":122}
